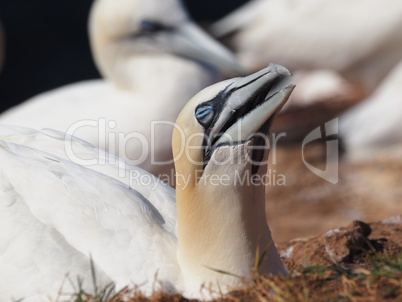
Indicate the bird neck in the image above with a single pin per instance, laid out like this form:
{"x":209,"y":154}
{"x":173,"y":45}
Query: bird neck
{"x":153,"y":73}
{"x":222,"y":227}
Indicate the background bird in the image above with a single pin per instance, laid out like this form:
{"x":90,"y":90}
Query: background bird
{"x":361,"y":39}
{"x":357,"y":45}
{"x":372,"y":125}
{"x":146,"y":51}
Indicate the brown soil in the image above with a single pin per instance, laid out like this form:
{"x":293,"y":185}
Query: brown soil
{"x":358,"y":263}
{"x":350,"y":247}
{"x":308,"y":205}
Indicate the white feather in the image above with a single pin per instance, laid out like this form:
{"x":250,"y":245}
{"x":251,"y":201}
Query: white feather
{"x":360,"y":39}
{"x":88,"y":214}
{"x":373,"y":125}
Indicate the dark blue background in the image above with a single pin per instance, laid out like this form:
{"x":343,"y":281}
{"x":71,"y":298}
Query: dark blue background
{"x":47,"y":43}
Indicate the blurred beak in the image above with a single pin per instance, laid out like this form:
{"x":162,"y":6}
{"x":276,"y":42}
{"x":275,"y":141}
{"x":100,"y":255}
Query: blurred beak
{"x":191,"y":42}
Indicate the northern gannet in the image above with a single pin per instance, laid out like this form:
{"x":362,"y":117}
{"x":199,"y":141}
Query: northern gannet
{"x":360,"y":39}
{"x":374,"y":124}
{"x":56,"y":214}
{"x":153,"y":59}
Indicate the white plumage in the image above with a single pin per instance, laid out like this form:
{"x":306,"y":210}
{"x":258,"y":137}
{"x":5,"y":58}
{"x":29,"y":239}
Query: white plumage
{"x":75,"y":213}
{"x":154,"y":59}
{"x":359,"y":39}
{"x":374,"y":124}
{"x":56,"y":214}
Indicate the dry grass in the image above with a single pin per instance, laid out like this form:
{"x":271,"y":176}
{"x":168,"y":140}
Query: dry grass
{"x":379,"y":280}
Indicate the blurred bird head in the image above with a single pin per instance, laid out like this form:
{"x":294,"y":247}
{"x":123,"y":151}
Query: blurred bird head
{"x":122,"y":30}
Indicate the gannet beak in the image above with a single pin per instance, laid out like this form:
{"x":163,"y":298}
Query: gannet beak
{"x":235,"y":114}
{"x":236,"y":20}
{"x":189,"y":41}
{"x":248,"y":103}
{"x":254,"y":120}
{"x":242,"y":111}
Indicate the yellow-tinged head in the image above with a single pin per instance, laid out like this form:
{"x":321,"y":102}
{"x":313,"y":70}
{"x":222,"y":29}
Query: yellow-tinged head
{"x":232,"y":113}
{"x":219,"y":147}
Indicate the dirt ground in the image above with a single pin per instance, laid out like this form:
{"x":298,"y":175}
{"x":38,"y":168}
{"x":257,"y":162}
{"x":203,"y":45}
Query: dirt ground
{"x":351,"y":246}
{"x":308,"y":205}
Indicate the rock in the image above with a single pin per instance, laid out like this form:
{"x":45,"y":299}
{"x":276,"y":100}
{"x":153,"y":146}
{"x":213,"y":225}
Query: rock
{"x":345,"y":246}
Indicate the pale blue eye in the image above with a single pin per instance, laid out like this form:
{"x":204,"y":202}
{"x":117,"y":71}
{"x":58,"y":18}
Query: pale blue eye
{"x":205,"y":115}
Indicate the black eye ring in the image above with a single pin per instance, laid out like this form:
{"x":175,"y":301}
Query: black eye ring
{"x":205,"y":115}
{"x":151,"y":26}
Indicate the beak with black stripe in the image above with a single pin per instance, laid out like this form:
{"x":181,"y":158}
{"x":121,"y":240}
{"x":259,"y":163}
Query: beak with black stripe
{"x":236,"y":111}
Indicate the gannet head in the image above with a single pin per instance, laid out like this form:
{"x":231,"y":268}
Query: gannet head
{"x":220,"y":147}
{"x":128,"y":28}
{"x":232,"y":114}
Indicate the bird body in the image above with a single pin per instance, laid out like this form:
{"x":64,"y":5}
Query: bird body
{"x":87,"y":215}
{"x":58,"y":213}
{"x":372,"y":125}
{"x":153,"y":59}
{"x":359,"y":39}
